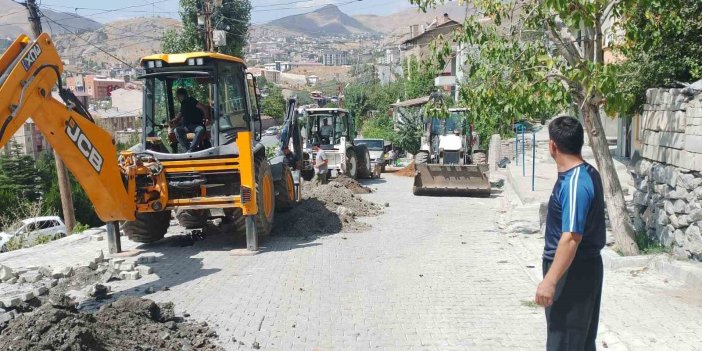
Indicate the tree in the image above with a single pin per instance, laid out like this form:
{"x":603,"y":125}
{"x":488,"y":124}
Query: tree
{"x":569,"y":53}
{"x":233,"y":17}
{"x":379,"y":128}
{"x":18,"y":175}
{"x":274,"y":104}
{"x":663,"y":45}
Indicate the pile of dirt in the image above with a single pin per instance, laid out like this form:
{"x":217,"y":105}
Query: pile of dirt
{"x":407,"y":171}
{"x":326,"y":209}
{"x":352,"y":184}
{"x":130,"y":323}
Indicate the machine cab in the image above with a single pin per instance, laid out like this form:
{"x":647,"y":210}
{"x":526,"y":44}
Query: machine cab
{"x":197,"y":104}
{"x":328,"y":126}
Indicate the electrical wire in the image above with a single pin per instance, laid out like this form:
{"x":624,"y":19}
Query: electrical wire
{"x":78,"y":36}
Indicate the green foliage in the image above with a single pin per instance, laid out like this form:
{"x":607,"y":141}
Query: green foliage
{"x":42,"y":239}
{"x":233,"y":17}
{"x":663,"y":45}
{"x":649,"y":246}
{"x":410,"y":129}
{"x":80,"y":227}
{"x":379,"y":128}
{"x":84,"y":211}
{"x":18,"y":176}
{"x":274,"y":104}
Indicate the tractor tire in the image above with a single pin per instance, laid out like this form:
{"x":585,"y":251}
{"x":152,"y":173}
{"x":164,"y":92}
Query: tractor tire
{"x":364,"y":162}
{"x":192,"y":219}
{"x":479,"y":157}
{"x":285,"y":191}
{"x":265,"y":199}
{"x":421,"y":157}
{"x":351,"y":164}
{"x":147,"y":227}
{"x":234,"y":219}
{"x":307,"y":174}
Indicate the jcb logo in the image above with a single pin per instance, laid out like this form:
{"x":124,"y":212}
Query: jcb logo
{"x":84,"y":145}
{"x":31,"y":57}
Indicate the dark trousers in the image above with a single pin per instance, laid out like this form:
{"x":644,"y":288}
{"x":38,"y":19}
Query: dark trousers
{"x":573,"y":318}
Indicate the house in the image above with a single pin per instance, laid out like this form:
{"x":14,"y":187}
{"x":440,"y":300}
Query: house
{"x":418,"y":47}
{"x":98,"y":87}
{"x":30,"y":141}
{"x":312,"y":80}
{"x":127,"y":100}
{"x":113,"y":120}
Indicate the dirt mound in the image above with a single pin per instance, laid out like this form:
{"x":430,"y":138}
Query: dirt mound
{"x":352,"y":184}
{"x":325,"y":209}
{"x":407,"y":171}
{"x":130,"y":323}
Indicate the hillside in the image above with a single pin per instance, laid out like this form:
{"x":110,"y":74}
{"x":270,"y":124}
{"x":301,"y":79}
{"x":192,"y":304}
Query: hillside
{"x":328,"y":20}
{"x":13,"y":21}
{"x":127,"y":39}
{"x":403,"y":19}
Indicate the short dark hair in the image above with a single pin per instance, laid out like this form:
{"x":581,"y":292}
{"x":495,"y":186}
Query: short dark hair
{"x":182,"y":91}
{"x":316,"y":143}
{"x":568,"y":134}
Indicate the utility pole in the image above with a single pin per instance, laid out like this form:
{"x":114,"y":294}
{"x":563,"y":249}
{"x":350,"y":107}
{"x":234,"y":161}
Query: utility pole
{"x":207,"y":12}
{"x":69,"y":216}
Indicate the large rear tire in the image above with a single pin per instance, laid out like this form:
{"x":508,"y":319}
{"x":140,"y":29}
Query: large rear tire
{"x":285,"y":191}
{"x":148,"y":227}
{"x":235,"y":221}
{"x":351,"y":164}
{"x":265,"y":199}
{"x":364,"y":162}
{"x":192,"y":219}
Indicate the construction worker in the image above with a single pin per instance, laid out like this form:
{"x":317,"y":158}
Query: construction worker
{"x":191,"y":119}
{"x":320,"y":164}
{"x":290,"y":159}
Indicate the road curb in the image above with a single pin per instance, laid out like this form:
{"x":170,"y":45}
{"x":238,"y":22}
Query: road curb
{"x":689,"y":273}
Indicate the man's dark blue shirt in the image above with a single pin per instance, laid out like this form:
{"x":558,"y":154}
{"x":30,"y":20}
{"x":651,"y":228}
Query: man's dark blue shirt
{"x":577,"y":205}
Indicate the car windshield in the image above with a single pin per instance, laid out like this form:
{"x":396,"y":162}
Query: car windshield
{"x":374,"y":145}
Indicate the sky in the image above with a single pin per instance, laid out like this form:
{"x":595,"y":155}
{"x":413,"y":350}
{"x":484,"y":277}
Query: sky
{"x":263,"y":10}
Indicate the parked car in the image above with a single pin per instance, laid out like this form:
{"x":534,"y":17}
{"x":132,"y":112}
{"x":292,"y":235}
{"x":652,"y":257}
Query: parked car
{"x":272,"y":131}
{"x":35,"y":228}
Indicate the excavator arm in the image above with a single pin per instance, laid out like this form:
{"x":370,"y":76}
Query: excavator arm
{"x":29,"y":71}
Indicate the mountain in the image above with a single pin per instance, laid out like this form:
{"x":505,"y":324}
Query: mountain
{"x":127,"y":39}
{"x":13,"y":21}
{"x":395,"y":26}
{"x":327,"y":20}
{"x":403,"y":19}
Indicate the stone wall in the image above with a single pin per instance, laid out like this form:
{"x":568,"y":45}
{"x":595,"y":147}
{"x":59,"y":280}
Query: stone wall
{"x":668,"y":197}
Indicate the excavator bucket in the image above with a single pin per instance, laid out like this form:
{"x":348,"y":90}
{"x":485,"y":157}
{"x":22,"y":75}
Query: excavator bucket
{"x":451,"y":180}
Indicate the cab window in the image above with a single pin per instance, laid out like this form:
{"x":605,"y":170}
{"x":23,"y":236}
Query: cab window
{"x":232,"y":98}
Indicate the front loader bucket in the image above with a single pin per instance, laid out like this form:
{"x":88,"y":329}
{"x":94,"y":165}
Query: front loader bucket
{"x":451,"y":180}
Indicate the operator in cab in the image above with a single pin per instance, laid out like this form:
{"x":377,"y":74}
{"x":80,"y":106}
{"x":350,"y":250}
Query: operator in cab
{"x":326,"y":131}
{"x":192,"y":118}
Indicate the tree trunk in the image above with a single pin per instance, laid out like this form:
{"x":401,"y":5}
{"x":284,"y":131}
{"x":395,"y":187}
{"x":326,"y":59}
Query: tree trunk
{"x":622,"y":228}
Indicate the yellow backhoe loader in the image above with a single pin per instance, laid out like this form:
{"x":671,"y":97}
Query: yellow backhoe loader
{"x":226,"y":174}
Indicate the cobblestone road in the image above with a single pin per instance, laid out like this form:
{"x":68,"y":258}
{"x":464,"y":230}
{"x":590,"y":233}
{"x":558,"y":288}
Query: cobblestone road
{"x":432,"y":274}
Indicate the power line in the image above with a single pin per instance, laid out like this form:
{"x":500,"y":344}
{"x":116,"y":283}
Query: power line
{"x":95,"y":46}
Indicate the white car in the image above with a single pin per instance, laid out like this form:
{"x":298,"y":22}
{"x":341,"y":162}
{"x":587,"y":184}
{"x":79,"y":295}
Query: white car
{"x":271,"y":131}
{"x":34,"y":228}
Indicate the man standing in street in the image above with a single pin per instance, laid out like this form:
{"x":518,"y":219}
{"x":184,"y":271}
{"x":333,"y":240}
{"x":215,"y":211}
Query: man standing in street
{"x":575,"y":233}
{"x":320,"y":164}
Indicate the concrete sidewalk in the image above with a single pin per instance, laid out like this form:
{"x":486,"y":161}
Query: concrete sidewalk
{"x":519,"y":173}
